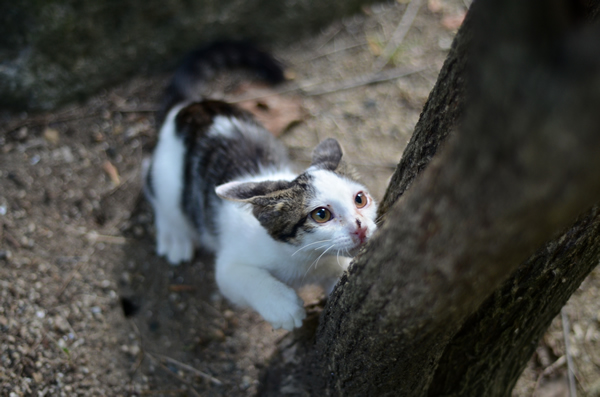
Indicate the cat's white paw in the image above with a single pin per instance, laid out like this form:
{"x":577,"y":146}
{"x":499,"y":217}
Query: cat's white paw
{"x":177,"y":246}
{"x":284,"y":310}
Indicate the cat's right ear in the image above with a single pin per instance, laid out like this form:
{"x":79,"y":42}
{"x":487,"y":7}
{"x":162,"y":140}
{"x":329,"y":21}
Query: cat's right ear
{"x":327,"y":155}
{"x":246,"y":191}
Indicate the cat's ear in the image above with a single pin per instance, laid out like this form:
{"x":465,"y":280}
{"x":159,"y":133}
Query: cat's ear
{"x":249,"y":191}
{"x":327,"y":155}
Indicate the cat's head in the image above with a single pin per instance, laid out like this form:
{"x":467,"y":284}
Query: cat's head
{"x":324,"y":206}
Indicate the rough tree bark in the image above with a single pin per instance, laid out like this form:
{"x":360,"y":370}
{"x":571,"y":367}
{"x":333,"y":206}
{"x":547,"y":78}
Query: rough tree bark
{"x":450,"y":297}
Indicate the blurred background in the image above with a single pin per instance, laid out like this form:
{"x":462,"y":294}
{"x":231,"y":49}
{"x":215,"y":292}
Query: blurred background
{"x":86,"y":308}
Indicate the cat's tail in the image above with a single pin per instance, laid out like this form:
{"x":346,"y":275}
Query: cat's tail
{"x":202,"y":64}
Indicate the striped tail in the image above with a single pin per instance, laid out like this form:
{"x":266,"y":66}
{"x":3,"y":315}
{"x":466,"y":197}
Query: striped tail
{"x":202,"y":64}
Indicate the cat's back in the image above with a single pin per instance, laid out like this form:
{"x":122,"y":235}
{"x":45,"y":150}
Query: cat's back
{"x":223,"y":142}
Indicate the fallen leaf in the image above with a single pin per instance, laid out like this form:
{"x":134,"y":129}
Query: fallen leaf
{"x":275,"y":111}
{"x":453,"y":22}
{"x":112,"y":172}
{"x":374,"y":46}
{"x":435,"y":6}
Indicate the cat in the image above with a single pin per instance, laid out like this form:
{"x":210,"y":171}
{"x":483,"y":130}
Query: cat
{"x":220,"y":180}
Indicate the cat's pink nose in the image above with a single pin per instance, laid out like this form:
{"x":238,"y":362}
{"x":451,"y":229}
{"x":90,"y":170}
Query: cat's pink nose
{"x":360,"y":234}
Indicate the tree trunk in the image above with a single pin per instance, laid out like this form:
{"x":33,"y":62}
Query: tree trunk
{"x":449,"y":297}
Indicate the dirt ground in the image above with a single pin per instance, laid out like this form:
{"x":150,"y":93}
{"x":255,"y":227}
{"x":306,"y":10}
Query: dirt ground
{"x":86,"y":307}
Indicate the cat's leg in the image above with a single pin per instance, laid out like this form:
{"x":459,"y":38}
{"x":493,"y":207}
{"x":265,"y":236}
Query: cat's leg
{"x":174,"y":236}
{"x":255,"y":287}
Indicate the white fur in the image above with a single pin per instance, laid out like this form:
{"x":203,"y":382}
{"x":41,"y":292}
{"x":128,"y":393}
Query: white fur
{"x":253,"y":269}
{"x":175,"y":236}
{"x":223,"y":126}
{"x":226,"y":126}
{"x":337,"y":193}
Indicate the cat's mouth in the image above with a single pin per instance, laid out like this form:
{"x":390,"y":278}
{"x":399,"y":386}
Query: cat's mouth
{"x":356,"y":246}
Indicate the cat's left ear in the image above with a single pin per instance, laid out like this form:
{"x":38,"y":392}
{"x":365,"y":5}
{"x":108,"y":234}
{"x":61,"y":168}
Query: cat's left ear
{"x":327,"y":155}
{"x":247,"y":191}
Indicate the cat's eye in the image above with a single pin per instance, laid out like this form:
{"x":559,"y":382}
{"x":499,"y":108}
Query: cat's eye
{"x":360,"y":200}
{"x":321,"y":215}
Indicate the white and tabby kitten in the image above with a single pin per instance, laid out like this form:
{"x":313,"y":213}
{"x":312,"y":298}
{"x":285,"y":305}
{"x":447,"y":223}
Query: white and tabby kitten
{"x":218,"y":179}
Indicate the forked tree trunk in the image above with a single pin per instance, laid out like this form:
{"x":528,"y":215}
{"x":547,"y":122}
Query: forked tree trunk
{"x":450,"y":296}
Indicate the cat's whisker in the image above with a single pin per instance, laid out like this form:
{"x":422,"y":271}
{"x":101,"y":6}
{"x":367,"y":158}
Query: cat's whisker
{"x":347,"y":252}
{"x":316,"y":261}
{"x":318,"y":248}
{"x":308,"y":245}
{"x":338,"y":259}
{"x":320,"y":256}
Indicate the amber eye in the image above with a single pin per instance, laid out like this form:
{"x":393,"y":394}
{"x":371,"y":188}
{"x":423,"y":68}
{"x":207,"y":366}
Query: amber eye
{"x":360,"y":200}
{"x":321,"y":215}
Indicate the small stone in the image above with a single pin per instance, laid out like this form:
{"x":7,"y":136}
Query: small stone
{"x":217,"y":335}
{"x":134,"y":350}
{"x":60,"y":324}
{"x":126,"y":278}
{"x":21,"y":134}
{"x":37,"y":377}
{"x":51,"y":135}
{"x":246,"y":382}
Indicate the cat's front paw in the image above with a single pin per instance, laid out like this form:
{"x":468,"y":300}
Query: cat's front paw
{"x":284,"y":310}
{"x":176,"y":247}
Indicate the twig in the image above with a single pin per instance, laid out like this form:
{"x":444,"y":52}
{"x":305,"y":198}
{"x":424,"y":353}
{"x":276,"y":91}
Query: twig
{"x":359,"y":81}
{"x":320,"y":88}
{"x":13,"y":241}
{"x":548,"y":371}
{"x":554,"y":366}
{"x":95,"y":237}
{"x":331,"y":37}
{"x":326,"y":54}
{"x":70,"y":115}
{"x":191,"y":369}
{"x":47,"y":119}
{"x":140,"y":358}
{"x":283,"y":90}
{"x":403,"y":26}
{"x":179,"y":378}
{"x":149,"y":109}
{"x":570,"y":366}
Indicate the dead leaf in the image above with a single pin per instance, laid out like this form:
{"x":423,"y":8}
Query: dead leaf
{"x":112,"y":172}
{"x":453,"y":22}
{"x":374,"y":46}
{"x":435,"y":6}
{"x":275,"y":111}
{"x":289,"y":74}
